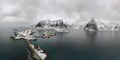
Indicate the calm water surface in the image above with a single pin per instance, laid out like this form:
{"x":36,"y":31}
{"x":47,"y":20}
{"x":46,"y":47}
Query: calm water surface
{"x":76,"y":45}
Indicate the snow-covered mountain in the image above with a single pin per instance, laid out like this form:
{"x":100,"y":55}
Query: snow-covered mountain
{"x":91,"y":25}
{"x":94,"y":25}
{"x":110,"y":26}
{"x":52,"y":23}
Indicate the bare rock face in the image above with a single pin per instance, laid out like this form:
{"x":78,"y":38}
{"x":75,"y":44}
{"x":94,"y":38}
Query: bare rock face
{"x":91,"y":26}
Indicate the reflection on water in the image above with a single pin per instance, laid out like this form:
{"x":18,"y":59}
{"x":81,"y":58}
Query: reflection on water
{"x":91,"y":37}
{"x":75,"y":45}
{"x":79,"y":45}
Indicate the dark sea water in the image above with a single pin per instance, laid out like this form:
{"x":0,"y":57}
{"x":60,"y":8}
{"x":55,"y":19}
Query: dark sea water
{"x":9,"y":49}
{"x":76,"y":45}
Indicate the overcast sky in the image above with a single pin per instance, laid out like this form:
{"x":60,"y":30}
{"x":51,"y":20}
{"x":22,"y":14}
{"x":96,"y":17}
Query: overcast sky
{"x":31,"y":11}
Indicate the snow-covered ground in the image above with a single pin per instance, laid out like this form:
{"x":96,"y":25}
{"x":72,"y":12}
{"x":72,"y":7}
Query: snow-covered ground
{"x":39,"y":53}
{"x":25,"y":35}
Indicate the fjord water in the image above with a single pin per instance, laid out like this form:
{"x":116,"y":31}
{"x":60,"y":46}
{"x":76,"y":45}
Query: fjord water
{"x":75,"y":45}
{"x":9,"y":49}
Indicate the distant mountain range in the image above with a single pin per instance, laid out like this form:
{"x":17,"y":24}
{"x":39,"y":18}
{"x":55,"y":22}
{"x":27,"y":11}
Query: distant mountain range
{"x":91,"y":25}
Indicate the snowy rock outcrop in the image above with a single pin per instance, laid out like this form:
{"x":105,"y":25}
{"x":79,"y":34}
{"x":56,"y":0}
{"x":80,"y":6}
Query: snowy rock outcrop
{"x":52,"y":23}
{"x":91,"y":26}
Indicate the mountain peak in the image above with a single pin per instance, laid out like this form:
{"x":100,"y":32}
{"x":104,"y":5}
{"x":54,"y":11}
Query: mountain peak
{"x":91,"y":25}
{"x":92,"y":21}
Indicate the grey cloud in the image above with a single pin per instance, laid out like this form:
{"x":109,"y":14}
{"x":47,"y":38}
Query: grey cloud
{"x":69,"y":10}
